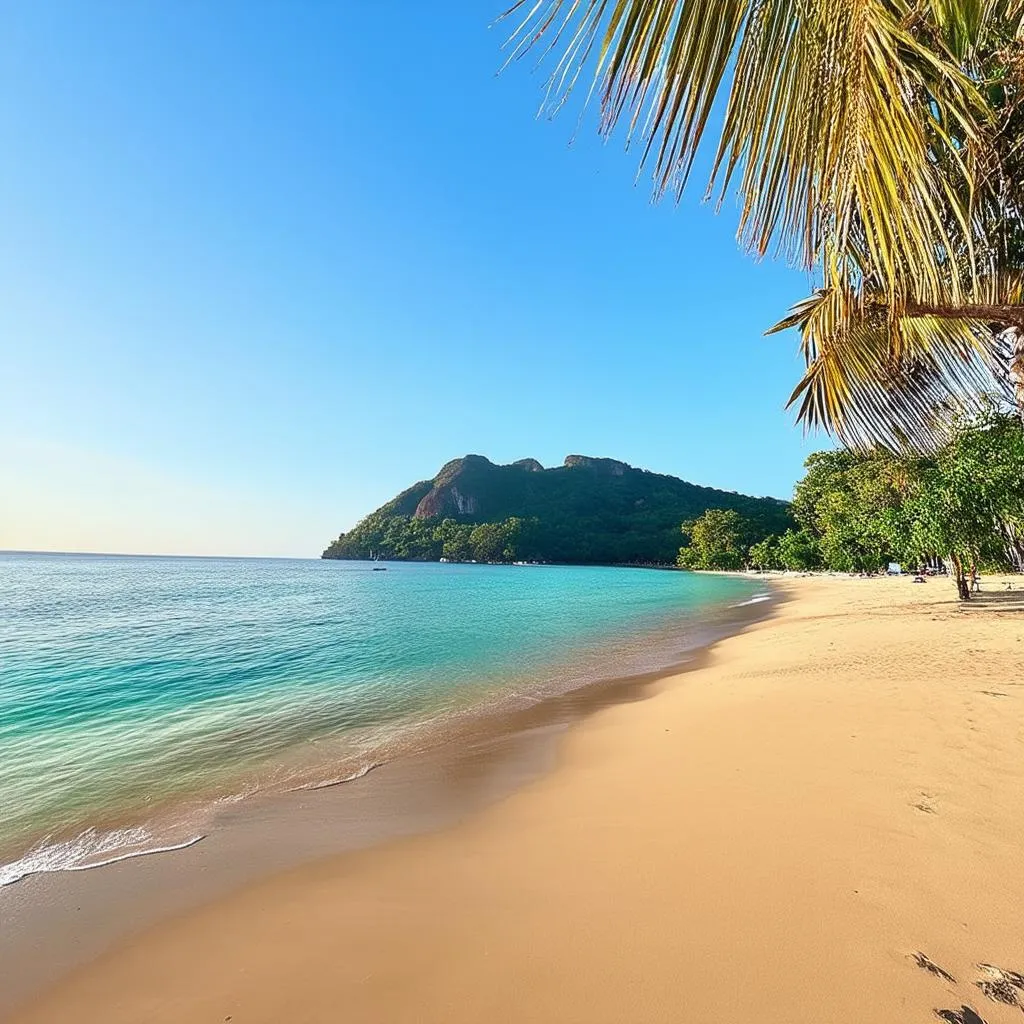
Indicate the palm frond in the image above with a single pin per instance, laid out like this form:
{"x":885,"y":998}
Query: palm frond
{"x":877,"y":142}
{"x":839,"y":123}
{"x":969,"y":27}
{"x":902,"y":385}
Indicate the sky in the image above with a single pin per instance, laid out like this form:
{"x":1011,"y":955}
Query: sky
{"x":265,"y":264}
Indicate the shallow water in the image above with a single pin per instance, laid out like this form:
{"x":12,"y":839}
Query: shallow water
{"x":137,"y":693}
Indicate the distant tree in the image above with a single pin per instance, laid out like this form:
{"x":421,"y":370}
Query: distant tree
{"x":513,"y":531}
{"x":394,"y":542}
{"x":496,"y":542}
{"x":842,"y":500}
{"x":798,"y":551}
{"x":454,"y":537}
{"x":716,"y":541}
{"x":765,"y":554}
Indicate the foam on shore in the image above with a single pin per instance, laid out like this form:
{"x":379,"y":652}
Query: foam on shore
{"x":90,"y":849}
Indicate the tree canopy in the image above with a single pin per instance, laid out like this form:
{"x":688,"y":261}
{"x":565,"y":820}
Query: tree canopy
{"x":719,"y":539}
{"x":967,"y":503}
{"x":964,"y":504}
{"x":407,"y":539}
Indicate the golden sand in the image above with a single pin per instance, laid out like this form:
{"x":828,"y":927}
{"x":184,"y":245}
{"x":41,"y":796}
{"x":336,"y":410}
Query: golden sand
{"x":770,"y":838}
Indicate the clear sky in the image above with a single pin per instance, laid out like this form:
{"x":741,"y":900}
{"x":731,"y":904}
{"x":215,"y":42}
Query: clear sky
{"x":264,"y":264}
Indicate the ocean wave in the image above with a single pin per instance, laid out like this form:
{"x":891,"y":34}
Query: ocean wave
{"x":81,"y":853}
{"x":328,"y":783}
{"x":756,"y":599}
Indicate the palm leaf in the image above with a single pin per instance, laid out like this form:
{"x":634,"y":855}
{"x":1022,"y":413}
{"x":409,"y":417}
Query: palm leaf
{"x":839,"y":124}
{"x":901,"y":386}
{"x":880,"y":142}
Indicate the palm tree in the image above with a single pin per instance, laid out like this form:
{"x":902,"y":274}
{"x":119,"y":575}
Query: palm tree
{"x":876,"y":143}
{"x":1016,"y":363}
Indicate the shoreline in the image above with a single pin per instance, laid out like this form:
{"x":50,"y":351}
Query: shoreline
{"x":772,"y":837}
{"x":172,"y":813}
{"x":55,"y":922}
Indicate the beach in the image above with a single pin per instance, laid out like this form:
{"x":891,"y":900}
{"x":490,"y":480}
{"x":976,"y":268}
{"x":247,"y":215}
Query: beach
{"x":773,"y":836}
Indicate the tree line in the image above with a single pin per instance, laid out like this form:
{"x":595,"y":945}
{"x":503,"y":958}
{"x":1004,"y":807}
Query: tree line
{"x":408,"y":539}
{"x":855,"y":512}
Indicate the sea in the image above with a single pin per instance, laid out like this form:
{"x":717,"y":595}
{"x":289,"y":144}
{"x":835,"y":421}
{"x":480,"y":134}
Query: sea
{"x":139,"y":694}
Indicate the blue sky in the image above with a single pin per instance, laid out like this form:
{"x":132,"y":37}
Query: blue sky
{"x":264,"y":264}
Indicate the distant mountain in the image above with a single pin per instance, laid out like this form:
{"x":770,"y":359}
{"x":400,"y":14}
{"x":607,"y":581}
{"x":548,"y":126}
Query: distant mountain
{"x":587,"y":510}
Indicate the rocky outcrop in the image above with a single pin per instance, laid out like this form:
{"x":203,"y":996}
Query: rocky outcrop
{"x":456,"y":489}
{"x":530,"y":465}
{"x":611,"y":467}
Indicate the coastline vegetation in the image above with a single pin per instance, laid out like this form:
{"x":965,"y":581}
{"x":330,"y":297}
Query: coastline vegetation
{"x":403,"y":538}
{"x":962,"y":506}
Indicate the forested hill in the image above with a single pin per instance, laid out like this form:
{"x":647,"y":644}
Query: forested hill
{"x":587,"y":510}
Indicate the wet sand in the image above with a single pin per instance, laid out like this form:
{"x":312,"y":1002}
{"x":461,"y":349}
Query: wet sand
{"x":771,"y":837}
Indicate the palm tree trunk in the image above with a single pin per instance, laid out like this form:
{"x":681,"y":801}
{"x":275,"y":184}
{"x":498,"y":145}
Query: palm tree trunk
{"x":1003,"y":315}
{"x":1016,"y":372}
{"x":962,"y":588}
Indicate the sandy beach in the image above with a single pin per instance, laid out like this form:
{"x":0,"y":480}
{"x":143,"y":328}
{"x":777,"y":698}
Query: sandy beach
{"x":772,"y":837}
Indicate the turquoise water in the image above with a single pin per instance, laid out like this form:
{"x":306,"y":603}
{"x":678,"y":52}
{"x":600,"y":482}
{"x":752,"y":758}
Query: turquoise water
{"x":134,"y":690}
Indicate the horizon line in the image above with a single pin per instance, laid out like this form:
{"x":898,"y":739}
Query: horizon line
{"x":150,"y":554}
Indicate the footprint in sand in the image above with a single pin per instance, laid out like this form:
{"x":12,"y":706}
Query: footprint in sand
{"x":1001,"y":986}
{"x":925,"y":803}
{"x":996,"y":984}
{"x":965,"y":1015}
{"x":927,"y":964}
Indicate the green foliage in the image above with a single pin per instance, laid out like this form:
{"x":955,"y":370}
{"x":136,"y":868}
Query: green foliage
{"x":765,"y":554}
{"x":965,"y":505}
{"x":586,"y":511}
{"x":841,"y":501}
{"x":407,"y":539}
{"x":717,"y":540}
{"x":455,"y":540}
{"x":722,"y":539}
{"x":496,"y":542}
{"x":799,"y":551}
